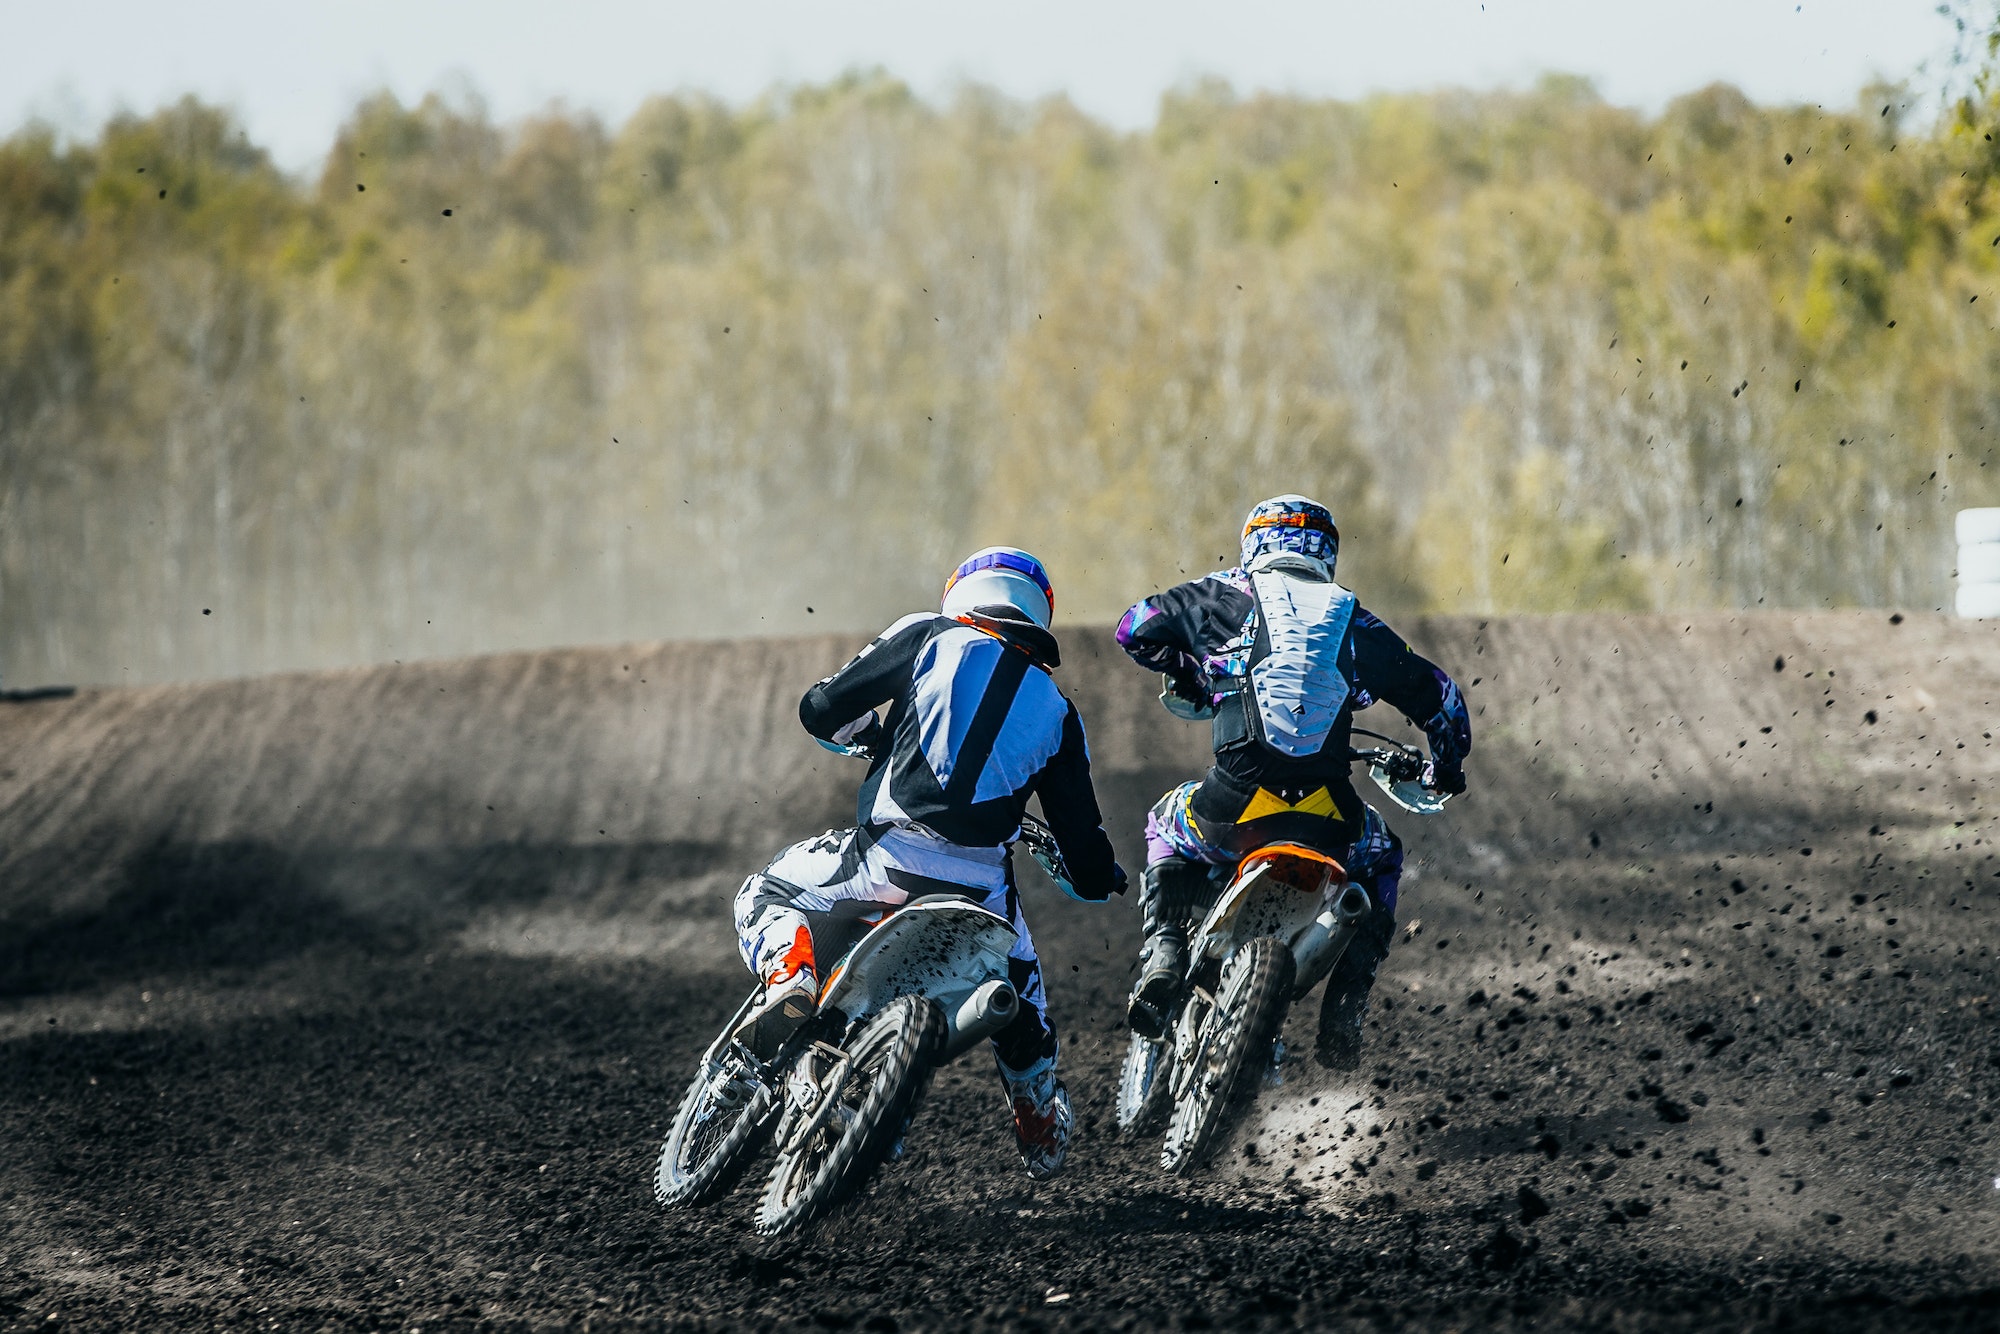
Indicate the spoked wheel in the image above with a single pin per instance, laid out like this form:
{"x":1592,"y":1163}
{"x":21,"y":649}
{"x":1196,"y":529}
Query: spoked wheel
{"x":831,"y":1147}
{"x":1145,"y":1085}
{"x":1251,"y":998}
{"x":723,"y":1121}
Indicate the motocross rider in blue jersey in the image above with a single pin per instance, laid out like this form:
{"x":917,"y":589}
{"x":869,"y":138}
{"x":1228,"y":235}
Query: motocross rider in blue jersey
{"x":1280,"y":657}
{"x":975,"y":726}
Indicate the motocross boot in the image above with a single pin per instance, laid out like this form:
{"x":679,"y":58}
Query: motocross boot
{"x":1344,"y":1006}
{"x":1169,"y":894}
{"x":1043,"y":1120}
{"x":791,"y":995}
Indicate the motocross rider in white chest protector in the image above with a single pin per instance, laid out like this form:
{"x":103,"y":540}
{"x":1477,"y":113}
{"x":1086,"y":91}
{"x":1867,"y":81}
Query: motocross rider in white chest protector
{"x":1280,"y":656}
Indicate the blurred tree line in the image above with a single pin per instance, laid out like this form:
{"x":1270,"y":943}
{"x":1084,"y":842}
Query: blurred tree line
{"x":489,"y":385}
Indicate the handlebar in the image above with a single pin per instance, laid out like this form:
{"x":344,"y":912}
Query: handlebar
{"x":1402,"y":765}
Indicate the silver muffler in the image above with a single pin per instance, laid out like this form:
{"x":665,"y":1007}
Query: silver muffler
{"x":1319,"y":947}
{"x":1352,"y":905}
{"x":982,"y":1014}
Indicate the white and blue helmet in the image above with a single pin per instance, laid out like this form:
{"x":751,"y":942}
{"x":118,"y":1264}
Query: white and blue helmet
{"x":1001,"y":576}
{"x":1291,"y":524}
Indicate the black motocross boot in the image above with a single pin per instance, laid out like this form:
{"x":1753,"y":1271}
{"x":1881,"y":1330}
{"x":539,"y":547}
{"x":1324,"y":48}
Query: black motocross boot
{"x":1344,"y":1007}
{"x":1169,"y":895}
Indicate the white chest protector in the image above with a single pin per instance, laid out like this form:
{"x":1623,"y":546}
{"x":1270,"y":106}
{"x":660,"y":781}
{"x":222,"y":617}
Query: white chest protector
{"x":1299,"y":686}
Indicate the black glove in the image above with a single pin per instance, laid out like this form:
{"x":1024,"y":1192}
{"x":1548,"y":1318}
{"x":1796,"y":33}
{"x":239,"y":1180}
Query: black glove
{"x":1120,"y":882}
{"x":873,"y":742}
{"x":1448,"y":779}
{"x":1187,"y":698}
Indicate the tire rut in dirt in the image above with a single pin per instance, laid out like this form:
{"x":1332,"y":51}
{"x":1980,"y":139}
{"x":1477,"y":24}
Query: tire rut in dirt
{"x":893,"y":1058}
{"x":1252,"y":997}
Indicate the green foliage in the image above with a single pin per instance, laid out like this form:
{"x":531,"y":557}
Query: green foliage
{"x":485,"y":385}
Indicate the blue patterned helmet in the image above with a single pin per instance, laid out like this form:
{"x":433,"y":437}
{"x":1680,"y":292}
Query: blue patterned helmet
{"x":1294,"y":524}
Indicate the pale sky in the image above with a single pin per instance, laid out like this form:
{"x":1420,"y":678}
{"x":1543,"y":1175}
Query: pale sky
{"x":294,"y":69}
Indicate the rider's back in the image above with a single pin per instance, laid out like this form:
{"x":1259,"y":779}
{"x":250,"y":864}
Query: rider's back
{"x":975,"y":726}
{"x":1285,"y":659}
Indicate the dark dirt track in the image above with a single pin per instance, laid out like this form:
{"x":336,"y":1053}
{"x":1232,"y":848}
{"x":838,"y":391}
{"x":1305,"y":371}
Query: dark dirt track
{"x":360,"y":1001}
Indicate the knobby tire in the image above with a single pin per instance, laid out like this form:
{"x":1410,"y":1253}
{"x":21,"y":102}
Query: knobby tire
{"x":1252,"y":997}
{"x":893,"y":1056}
{"x":706,"y":1155}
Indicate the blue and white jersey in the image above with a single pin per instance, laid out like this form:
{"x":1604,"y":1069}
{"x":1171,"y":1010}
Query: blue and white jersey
{"x":975,"y":727}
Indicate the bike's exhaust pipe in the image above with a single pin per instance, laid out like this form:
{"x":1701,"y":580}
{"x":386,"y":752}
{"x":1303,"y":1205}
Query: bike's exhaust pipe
{"x":981,"y":1015}
{"x":1320,"y":945}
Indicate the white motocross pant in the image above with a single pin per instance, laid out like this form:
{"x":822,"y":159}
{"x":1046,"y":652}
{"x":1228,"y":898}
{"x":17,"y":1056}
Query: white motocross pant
{"x":889,"y":867}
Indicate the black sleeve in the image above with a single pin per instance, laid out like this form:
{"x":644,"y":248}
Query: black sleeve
{"x":1389,"y":669}
{"x":1069,"y":804}
{"x":1174,"y":631}
{"x":878,"y":674}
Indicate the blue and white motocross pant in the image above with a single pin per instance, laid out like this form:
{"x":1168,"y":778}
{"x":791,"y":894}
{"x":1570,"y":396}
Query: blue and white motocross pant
{"x":864,"y":866}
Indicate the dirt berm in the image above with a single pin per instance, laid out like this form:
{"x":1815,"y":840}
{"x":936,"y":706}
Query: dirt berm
{"x":360,"y":1000}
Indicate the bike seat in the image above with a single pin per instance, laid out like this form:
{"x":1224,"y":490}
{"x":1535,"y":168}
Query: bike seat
{"x":923,"y":887}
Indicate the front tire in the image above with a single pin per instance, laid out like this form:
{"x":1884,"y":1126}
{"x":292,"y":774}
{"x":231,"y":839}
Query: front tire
{"x":1251,"y":998}
{"x":891,"y":1065}
{"x":723,"y":1121}
{"x":1145,"y":1085}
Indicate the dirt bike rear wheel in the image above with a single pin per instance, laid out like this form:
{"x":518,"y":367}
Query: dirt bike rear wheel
{"x":892,"y":1058}
{"x":723,"y":1121}
{"x":1145,"y":1085}
{"x":1251,"y":998}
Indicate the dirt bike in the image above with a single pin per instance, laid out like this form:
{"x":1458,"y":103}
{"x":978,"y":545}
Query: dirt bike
{"x":924,"y":982}
{"x":1276,"y":931}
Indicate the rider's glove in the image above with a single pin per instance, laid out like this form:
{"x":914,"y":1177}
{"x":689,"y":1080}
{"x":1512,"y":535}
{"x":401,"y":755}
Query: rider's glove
{"x":862,"y":737}
{"x":1187,"y":698}
{"x":1446,"y":778}
{"x":1449,"y":730}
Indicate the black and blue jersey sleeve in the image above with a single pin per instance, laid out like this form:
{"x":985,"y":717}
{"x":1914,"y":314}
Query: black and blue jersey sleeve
{"x":1388,"y":669}
{"x":879,"y":674}
{"x":1069,"y":804}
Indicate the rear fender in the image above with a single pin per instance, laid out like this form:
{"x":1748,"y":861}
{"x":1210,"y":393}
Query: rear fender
{"x":1279,"y":891}
{"x":943,"y":950}
{"x":1258,"y":905}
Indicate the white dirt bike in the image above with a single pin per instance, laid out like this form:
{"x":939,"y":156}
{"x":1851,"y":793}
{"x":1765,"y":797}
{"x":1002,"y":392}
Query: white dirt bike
{"x":1277,"y":930}
{"x":925,"y":982}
